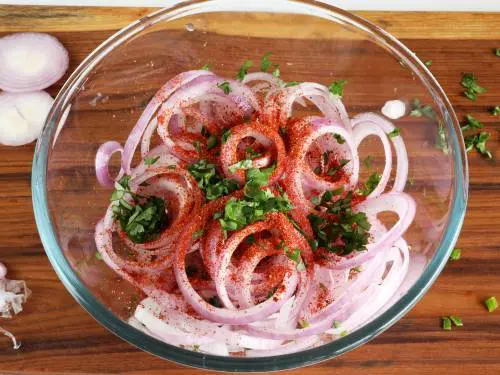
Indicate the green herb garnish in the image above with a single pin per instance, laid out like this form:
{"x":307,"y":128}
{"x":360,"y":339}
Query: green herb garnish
{"x":368,"y":161}
{"x":471,"y":123}
{"x":205,"y":67}
{"x":446,"y":323}
{"x":198,"y":234}
{"x":441,"y":141}
{"x":428,"y":63}
{"x":251,"y":153}
{"x":491,"y":303}
{"x":243,"y":70}
{"x":337,"y":88}
{"x":472,"y":88}
{"x":224,"y":86}
{"x":496,"y":51}
{"x":197,"y":146}
{"x":495,"y":110}
{"x":417,"y":110}
{"x":225,"y":135}
{"x":303,"y":324}
{"x":340,"y":140}
{"x":333,"y":170}
{"x":277,"y":73}
{"x":455,"y":254}
{"x":292,"y":83}
{"x":394,"y":133}
{"x":370,"y":184}
{"x":209,"y":181}
{"x":143,"y":219}
{"x":478,"y":142}
{"x":211,"y":142}
{"x":242,"y":164}
{"x":456,"y":321}
{"x":151,"y":161}
{"x":98,"y":255}
{"x":265,"y":63}
{"x":351,"y":228}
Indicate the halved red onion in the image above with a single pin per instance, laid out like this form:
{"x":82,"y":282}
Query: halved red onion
{"x":22,"y":116}
{"x":31,"y":61}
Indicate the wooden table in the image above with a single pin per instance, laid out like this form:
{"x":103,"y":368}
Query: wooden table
{"x":59,"y":337}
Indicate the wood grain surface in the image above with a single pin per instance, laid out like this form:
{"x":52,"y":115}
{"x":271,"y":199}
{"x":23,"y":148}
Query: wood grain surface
{"x":60,"y":337}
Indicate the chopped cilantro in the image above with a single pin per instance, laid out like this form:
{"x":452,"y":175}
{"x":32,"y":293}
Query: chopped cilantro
{"x":98,"y":255}
{"x":205,"y":67}
{"x":370,"y":184}
{"x":295,"y":257}
{"x":211,"y":142}
{"x":446,"y":323}
{"x":343,"y":333}
{"x":478,"y":142}
{"x":350,"y":232}
{"x":209,"y":181}
{"x":316,"y":200}
{"x":256,"y":203}
{"x":243,"y":70}
{"x":242,"y":164}
{"x":495,"y":110}
{"x":368,"y":161}
{"x":265,"y":63}
{"x":455,"y":254}
{"x":251,"y":153}
{"x":456,"y":321}
{"x":394,"y":133}
{"x":417,"y":110}
{"x":332,"y":171}
{"x":337,"y":88}
{"x":225,"y":135}
{"x":303,"y":323}
{"x":151,"y":161}
{"x":428,"y":63}
{"x":336,"y":324}
{"x":144,"y":220}
{"x":197,"y":146}
{"x":441,"y":141}
{"x":471,"y":123}
{"x":277,"y":72}
{"x":292,"y":83}
{"x":491,"y":303}
{"x":496,"y":51}
{"x":172,"y":166}
{"x":472,"y":88}
{"x":340,"y":140}
{"x":224,"y":86}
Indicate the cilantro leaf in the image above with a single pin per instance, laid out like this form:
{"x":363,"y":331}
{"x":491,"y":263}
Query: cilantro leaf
{"x":394,"y":133}
{"x":370,"y":184}
{"x":205,"y":67}
{"x":441,"y":141}
{"x":496,"y":109}
{"x":242,"y":164}
{"x":198,"y":234}
{"x":211,"y":142}
{"x":224,"y":86}
{"x":277,"y":72}
{"x":340,"y":140}
{"x":368,"y":161}
{"x":151,"y":161}
{"x":209,"y":181}
{"x":471,"y":123}
{"x":265,"y":63}
{"x":292,"y":83}
{"x":333,"y":170}
{"x":428,"y":63}
{"x":225,"y":135}
{"x":496,"y":51}
{"x":472,"y":88}
{"x":337,"y":87}
{"x":251,"y":153}
{"x":243,"y":70}
{"x":478,"y":142}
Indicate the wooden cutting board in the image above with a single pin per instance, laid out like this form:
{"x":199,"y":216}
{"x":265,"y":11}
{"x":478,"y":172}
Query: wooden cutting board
{"x":58,"y":336}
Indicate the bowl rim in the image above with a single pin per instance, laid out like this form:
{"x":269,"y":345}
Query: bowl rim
{"x":307,"y":357}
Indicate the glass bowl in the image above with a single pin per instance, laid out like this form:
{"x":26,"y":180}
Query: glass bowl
{"x":311,"y":41}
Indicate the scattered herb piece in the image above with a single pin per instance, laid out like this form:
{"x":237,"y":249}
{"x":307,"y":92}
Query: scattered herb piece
{"x":455,"y":254}
{"x":265,"y":63}
{"x":151,"y":161}
{"x":471,"y":123}
{"x":196,"y":348}
{"x":205,"y":67}
{"x":349,"y":233}
{"x":411,"y":181}
{"x":172,"y":166}
{"x":394,"y":133}
{"x":224,"y":86}
{"x":98,"y":255}
{"x":336,"y":324}
{"x":428,"y":63}
{"x":343,"y":333}
{"x":496,"y":51}
{"x":292,"y":83}
{"x":303,"y":323}
{"x":225,"y":135}
{"x":277,"y":72}
{"x":446,"y":323}
{"x":251,"y":153}
{"x":243,"y":70}
{"x":333,"y":170}
{"x":495,"y":110}
{"x":242,"y":164}
{"x":370,"y":184}
{"x":368,"y":161}
{"x":491,"y":304}
{"x":441,"y":141}
{"x":337,"y":88}
{"x":316,"y":200}
{"x":478,"y":142}
{"x":211,"y":142}
{"x":417,"y":110}
{"x":472,"y":88}
{"x":456,"y":321}
{"x":209,"y":181}
{"x":340,"y":140}
{"x":197,"y":146}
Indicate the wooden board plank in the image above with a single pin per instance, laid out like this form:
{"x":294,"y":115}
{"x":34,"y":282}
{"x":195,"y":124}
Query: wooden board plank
{"x":60,"y":337}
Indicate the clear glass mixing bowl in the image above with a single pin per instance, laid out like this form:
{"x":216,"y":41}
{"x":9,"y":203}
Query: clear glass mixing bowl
{"x":312,"y":42}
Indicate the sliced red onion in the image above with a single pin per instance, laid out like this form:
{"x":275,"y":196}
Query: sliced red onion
{"x":22,"y":116}
{"x":31,"y":61}
{"x":102,"y":157}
